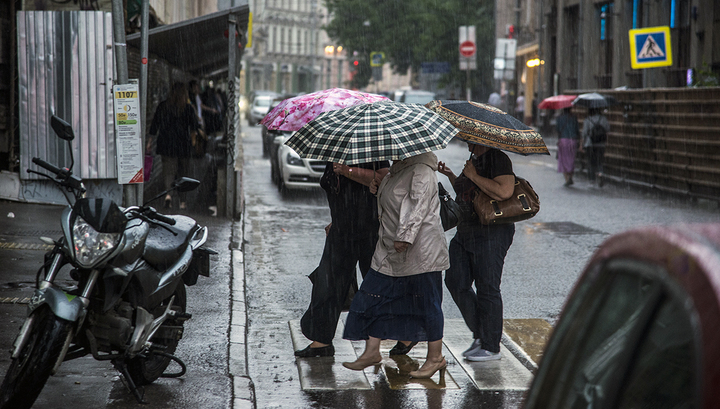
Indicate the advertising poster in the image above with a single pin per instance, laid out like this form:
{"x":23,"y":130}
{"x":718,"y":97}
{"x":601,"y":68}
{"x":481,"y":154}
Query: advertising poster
{"x":127,"y":134}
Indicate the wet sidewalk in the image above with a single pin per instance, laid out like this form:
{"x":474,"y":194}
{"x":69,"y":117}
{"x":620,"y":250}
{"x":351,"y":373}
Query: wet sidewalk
{"x":521,"y":349}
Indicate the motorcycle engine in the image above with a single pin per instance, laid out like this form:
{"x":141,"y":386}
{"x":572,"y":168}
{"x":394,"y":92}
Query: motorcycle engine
{"x":113,"y":329}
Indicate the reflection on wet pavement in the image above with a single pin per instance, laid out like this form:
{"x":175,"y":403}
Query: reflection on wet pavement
{"x":327,"y":373}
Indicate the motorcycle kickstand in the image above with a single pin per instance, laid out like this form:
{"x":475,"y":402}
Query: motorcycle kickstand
{"x":120,"y":365}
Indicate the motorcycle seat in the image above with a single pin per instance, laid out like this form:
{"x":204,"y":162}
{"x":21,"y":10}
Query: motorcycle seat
{"x":162,"y":248}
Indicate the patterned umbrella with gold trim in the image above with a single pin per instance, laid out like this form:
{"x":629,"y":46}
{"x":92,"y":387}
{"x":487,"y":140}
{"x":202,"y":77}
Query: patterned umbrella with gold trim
{"x":486,"y":125}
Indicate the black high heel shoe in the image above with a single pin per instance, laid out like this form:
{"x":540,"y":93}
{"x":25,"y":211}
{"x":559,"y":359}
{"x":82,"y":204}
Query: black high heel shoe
{"x":402,"y":349}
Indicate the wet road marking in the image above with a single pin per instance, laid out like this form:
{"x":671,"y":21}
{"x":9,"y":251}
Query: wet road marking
{"x":25,"y":246}
{"x":14,"y":300}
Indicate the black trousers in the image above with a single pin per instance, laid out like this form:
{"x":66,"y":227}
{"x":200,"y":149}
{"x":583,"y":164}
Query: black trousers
{"x":331,"y":283}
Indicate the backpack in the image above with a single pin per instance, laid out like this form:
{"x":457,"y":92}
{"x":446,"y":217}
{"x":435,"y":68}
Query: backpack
{"x":598,"y":134}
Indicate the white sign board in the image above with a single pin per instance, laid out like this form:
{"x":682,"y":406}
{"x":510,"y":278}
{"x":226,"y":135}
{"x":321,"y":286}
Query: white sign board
{"x":128,"y":137}
{"x":468,"y":60}
{"x":505,"y":58}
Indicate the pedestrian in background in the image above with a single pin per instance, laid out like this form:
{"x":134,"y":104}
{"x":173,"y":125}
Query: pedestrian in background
{"x":350,"y":240}
{"x":495,"y":100}
{"x":401,"y":296}
{"x":520,"y":107}
{"x":477,"y":252}
{"x":173,"y":121}
{"x":568,"y":134}
{"x":594,"y":135}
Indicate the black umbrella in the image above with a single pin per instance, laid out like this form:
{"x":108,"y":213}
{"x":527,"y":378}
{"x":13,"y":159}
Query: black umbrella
{"x":594,"y":100}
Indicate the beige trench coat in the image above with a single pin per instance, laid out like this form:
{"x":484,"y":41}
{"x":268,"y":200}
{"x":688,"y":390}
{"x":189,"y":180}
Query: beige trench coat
{"x":409,"y":211}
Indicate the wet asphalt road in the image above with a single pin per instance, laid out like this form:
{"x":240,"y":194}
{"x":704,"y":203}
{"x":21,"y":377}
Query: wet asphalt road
{"x":284,"y":239}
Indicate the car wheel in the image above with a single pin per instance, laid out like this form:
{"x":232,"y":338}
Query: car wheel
{"x":273,"y":173}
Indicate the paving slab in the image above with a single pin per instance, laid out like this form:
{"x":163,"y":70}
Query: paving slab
{"x":506,"y":374}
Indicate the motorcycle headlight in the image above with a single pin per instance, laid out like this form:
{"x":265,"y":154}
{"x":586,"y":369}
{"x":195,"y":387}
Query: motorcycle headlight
{"x":91,"y":245}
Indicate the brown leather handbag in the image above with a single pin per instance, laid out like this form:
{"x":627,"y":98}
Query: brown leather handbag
{"x":523,"y":205}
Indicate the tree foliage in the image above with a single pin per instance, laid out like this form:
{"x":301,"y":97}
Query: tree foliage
{"x":411,"y":32}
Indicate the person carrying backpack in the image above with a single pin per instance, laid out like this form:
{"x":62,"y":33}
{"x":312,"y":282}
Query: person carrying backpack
{"x":594,"y":137}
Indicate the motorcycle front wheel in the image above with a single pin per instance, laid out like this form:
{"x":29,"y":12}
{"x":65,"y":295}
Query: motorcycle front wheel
{"x":146,"y":370}
{"x":28,"y":373}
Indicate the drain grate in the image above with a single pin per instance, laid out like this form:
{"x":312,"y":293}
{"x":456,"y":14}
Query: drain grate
{"x":14,"y":300}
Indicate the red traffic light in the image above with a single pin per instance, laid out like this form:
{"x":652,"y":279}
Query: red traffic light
{"x":356,"y":63}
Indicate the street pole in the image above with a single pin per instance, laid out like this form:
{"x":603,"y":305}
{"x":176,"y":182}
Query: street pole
{"x":231,"y":130}
{"x":313,"y":41}
{"x":467,"y":83}
{"x":120,"y":51}
{"x":145,"y":22}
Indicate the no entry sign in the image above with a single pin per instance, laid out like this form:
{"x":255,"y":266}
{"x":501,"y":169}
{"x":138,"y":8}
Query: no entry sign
{"x":467,"y":48}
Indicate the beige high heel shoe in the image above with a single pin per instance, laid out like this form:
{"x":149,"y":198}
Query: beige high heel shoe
{"x":429,"y":372}
{"x":361,"y":364}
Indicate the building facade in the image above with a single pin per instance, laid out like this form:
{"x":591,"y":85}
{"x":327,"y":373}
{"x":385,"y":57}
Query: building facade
{"x":585,"y":45}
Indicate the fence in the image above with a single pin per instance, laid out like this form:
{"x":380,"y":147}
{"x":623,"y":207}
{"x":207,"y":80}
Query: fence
{"x":666,"y":139}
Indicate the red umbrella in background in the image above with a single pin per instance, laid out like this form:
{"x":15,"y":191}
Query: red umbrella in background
{"x":557,"y":102}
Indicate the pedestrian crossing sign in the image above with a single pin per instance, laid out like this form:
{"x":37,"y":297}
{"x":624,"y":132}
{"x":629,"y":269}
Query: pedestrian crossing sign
{"x":650,"y":47}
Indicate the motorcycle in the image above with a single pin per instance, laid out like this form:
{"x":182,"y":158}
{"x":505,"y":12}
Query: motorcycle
{"x":129,"y":305}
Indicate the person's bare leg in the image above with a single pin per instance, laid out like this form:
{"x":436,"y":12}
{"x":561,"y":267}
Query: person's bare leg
{"x":371,"y":356}
{"x":434,"y":361}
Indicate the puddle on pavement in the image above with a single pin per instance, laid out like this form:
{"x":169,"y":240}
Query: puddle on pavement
{"x":562,"y":228}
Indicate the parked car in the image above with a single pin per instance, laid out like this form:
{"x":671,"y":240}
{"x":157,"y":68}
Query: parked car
{"x":641,"y":329}
{"x":268,"y":135}
{"x":417,"y":97}
{"x":259,"y":108}
{"x":289,"y":171}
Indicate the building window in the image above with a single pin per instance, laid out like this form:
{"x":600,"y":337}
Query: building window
{"x":606,"y":11}
{"x":282,"y":40}
{"x":274,"y":39}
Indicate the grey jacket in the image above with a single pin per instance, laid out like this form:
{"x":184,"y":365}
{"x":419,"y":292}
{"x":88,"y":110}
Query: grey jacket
{"x":409,"y":211}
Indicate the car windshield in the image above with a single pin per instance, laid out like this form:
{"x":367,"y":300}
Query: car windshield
{"x":630,"y":342}
{"x":418,"y":98}
{"x":263,"y":101}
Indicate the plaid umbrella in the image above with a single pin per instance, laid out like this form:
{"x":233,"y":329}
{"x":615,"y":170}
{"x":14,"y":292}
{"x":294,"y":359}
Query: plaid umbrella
{"x":486,"y":125}
{"x":557,"y":102}
{"x":594,"y":100}
{"x":372,"y":132}
{"x":292,"y":113}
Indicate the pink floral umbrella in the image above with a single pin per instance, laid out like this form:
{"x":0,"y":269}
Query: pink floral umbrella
{"x":293,"y":113}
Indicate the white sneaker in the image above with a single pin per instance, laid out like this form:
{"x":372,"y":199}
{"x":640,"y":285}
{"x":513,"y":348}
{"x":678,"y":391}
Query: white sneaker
{"x":473,"y":348}
{"x":482,"y":355}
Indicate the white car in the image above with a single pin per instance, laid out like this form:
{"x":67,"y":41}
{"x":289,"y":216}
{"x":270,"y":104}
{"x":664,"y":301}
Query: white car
{"x":291,"y":172}
{"x":259,"y":108}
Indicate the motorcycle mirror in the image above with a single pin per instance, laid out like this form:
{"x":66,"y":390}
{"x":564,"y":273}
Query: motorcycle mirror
{"x":185,"y":184}
{"x":62,"y":129}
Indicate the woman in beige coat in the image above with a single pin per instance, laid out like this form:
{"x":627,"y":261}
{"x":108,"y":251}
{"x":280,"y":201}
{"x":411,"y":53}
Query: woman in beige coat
{"x":401,"y":296}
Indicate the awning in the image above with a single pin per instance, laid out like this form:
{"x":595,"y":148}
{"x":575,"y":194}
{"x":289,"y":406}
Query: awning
{"x":527,"y":49}
{"x":199,"y":45}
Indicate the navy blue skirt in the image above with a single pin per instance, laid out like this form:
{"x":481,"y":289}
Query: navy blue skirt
{"x":400,"y":308}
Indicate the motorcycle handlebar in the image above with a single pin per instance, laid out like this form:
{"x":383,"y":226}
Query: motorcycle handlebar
{"x":52,"y":168}
{"x":164,"y":219}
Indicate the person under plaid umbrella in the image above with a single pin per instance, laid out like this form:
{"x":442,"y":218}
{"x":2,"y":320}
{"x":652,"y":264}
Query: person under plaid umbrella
{"x":372,"y":132}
